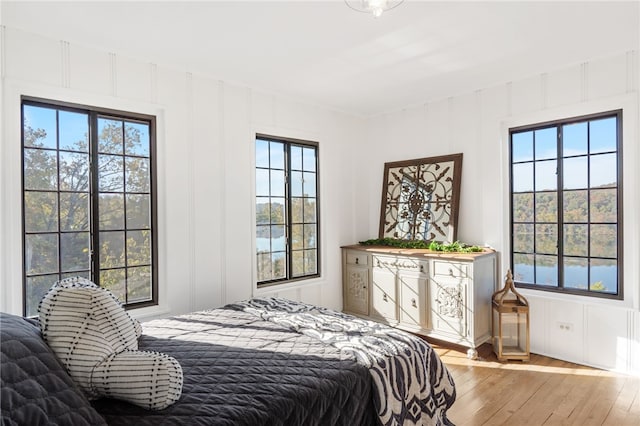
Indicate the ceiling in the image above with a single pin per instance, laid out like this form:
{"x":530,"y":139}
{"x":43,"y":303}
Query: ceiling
{"x":325,"y":53}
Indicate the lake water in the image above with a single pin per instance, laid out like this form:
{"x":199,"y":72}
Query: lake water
{"x":573,"y":274}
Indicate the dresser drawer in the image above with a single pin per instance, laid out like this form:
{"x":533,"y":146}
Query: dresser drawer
{"x":357,"y":258}
{"x":449,"y":269}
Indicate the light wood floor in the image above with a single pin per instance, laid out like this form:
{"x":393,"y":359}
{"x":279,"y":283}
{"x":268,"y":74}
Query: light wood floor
{"x":544,"y":391}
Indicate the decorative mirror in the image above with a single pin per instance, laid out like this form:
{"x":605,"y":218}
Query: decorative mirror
{"x":420,"y":199}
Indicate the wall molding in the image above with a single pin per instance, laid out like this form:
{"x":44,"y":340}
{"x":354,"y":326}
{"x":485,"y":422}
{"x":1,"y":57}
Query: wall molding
{"x":223,"y":194}
{"x":190,"y":195}
{"x":584,"y":81}
{"x":113,"y":73}
{"x":65,"y":61}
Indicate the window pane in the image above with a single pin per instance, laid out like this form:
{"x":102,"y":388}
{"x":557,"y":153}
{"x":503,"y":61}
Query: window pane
{"x":39,"y":127}
{"x":297,"y":237}
{"x":139,"y":284}
{"x":576,"y":273}
{"x":604,"y":205}
{"x":276,"y":155}
{"x":546,"y":143}
{"x":40,"y":211}
{"x":523,"y":207}
{"x":546,"y":177}
{"x":74,"y":172}
{"x":75,"y":249}
{"x":74,"y":211}
{"x":110,"y":136}
{"x":279,"y":266}
{"x":264,"y":266}
{"x":277,"y":183}
{"x":138,"y":211}
{"x":523,"y":238}
{"x":310,"y":210}
{"x":575,"y":206}
{"x":522,"y":177}
{"x":576,"y":240}
{"x":278,"y":238}
{"x":310,"y":236}
{"x":574,"y":173}
{"x":263,"y":214}
{"x":604,"y":275}
{"x":111,"y":249}
{"x":110,"y":173}
{"x":41,"y":254}
{"x":574,"y":139}
{"x":523,"y":268}
{"x":262,"y":154}
{"x":309,"y":159}
{"x":296,"y":184}
{"x":115,"y":281}
{"x":311,"y":262}
{"x":522,"y":146}
{"x":603,"y":171}
{"x":138,"y":175}
{"x":309,"y":184}
{"x":262,"y":182}
{"x":297,"y":263}
{"x":74,"y":131}
{"x":136,"y":139}
{"x":297,"y":210}
{"x":37,"y":287}
{"x":263,"y":238}
{"x":111,"y":211}
{"x":138,"y":248}
{"x":278,"y":215}
{"x":296,"y":157}
{"x":547,"y":239}
{"x":602,"y":135}
{"x":604,"y":241}
{"x":547,"y":270}
{"x":546,"y":207}
{"x":40,"y":169}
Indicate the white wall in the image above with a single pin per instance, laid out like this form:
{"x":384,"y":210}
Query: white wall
{"x":603,"y":333}
{"x":206,"y":130}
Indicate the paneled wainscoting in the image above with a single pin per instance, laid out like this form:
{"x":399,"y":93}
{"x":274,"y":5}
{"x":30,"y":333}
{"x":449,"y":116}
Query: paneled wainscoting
{"x":545,"y":391}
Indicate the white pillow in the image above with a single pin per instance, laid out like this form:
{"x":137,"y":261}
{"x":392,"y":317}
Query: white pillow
{"x":97,"y":341}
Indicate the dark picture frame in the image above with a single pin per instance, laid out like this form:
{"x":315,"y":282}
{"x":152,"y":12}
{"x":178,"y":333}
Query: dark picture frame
{"x":420,"y":199}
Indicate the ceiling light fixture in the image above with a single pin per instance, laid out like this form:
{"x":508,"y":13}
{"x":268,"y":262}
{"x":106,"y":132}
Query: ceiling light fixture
{"x":375,"y":7}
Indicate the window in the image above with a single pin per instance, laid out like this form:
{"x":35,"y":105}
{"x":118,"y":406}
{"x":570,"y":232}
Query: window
{"x":88,"y":200}
{"x":287,"y":224}
{"x":566,"y":205}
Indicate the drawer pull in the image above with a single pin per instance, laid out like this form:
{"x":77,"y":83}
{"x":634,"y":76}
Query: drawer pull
{"x":384,"y":297}
{"x":357,"y":260}
{"x":451,"y":271}
{"x":421,"y":268}
{"x":413,"y":303}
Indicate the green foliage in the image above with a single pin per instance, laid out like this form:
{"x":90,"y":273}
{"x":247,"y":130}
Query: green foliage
{"x":455,"y":247}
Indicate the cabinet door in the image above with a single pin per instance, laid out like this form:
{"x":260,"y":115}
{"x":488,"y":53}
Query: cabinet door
{"x":448,"y":306}
{"x":383,"y":294}
{"x":357,"y":290}
{"x":413,"y":297}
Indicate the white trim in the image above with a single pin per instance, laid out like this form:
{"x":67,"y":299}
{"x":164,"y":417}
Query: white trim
{"x":10,"y":176}
{"x":631,"y":181}
{"x":284,"y":132}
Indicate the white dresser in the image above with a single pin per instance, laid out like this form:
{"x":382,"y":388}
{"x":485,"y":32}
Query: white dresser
{"x":442,"y":295}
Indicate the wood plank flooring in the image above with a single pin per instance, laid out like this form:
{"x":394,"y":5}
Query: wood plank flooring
{"x":545,"y":391}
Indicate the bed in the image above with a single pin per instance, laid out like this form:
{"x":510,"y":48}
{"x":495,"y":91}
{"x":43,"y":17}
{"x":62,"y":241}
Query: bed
{"x":258,"y":362}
